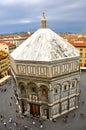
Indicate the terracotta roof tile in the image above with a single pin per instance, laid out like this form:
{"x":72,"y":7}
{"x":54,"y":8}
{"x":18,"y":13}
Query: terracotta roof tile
{"x":79,"y":44}
{"x":7,"y":43}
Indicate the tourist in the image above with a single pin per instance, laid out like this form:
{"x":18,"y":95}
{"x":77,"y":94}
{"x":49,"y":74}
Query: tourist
{"x":74,"y":115}
{"x":10,"y":104}
{"x":10,"y":128}
{"x":25,"y":127}
{"x":82,"y":102}
{"x":14,"y":123}
{"x":10,"y":120}
{"x":5,"y":124}
{"x":41,"y":126}
{"x":54,"y":120}
{"x":33,"y":122}
{"x":11,"y":97}
{"x":1,"y":118}
{"x":65,"y":120}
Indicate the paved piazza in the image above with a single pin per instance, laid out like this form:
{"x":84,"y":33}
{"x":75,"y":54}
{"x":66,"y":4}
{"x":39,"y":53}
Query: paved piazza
{"x":75,"y":120}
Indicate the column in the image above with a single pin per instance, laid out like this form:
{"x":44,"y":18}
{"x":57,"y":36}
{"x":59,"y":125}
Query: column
{"x":68,"y":104}
{"x":50,"y":113}
{"x":60,"y":107}
{"x":50,"y":96}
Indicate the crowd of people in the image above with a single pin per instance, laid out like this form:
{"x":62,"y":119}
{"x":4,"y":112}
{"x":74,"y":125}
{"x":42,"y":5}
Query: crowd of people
{"x":12,"y":124}
{"x":18,"y":123}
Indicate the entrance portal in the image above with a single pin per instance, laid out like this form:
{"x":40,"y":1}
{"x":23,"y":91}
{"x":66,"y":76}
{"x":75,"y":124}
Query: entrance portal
{"x":34,"y":109}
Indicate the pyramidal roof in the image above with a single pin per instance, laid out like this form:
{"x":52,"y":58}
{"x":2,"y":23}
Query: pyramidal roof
{"x":44,"y":45}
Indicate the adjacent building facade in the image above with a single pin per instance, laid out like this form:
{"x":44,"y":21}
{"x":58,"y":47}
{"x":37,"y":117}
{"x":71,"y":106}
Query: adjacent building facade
{"x":82,"y":48}
{"x":46,"y":70}
{"x":7,"y":46}
{"x":78,"y":41}
{"x":4,"y":64}
{"x":16,"y":39}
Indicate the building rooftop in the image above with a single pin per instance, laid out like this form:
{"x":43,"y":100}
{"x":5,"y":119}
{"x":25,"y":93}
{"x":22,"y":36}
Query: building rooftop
{"x":44,"y":45}
{"x":16,"y":36}
{"x":79,"y":44}
{"x":7,"y":43}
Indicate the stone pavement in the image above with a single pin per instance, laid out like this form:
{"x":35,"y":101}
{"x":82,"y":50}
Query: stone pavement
{"x":76,"y":119}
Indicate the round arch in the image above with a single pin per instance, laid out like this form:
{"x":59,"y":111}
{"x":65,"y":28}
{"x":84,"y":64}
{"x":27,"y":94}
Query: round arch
{"x":44,"y":92}
{"x":32,"y":91}
{"x":57,"y":88}
{"x":22,"y":88}
{"x":32,"y":87}
{"x":65,"y":85}
{"x":73,"y":83}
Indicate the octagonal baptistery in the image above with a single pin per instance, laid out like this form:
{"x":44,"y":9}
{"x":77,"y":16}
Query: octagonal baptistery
{"x":46,"y":69}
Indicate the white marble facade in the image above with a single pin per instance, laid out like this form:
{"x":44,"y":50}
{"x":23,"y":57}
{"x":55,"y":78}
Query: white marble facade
{"x":46,"y":70}
{"x":46,"y":88}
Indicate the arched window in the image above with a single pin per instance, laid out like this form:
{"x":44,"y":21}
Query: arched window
{"x":65,"y":86}
{"x":55,"y":90}
{"x":22,"y":88}
{"x":74,"y":83}
{"x":33,"y":89}
{"x":44,"y":92}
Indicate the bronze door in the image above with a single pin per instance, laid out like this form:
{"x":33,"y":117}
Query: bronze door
{"x":34,"y":109}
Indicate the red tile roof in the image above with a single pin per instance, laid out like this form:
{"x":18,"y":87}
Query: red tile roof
{"x":79,"y":44}
{"x":15,"y":36}
{"x":7,"y":43}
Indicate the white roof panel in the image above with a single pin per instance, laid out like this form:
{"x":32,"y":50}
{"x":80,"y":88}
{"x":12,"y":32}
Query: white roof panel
{"x":44,"y":45}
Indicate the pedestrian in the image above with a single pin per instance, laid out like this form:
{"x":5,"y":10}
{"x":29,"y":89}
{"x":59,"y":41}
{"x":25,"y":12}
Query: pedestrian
{"x":54,"y":120}
{"x":10,"y":120}
{"x":17,"y":123}
{"x":5,"y":89}
{"x":66,"y":116}
{"x":16,"y":111}
{"x":1,"y":118}
{"x":74,"y":115}
{"x":14,"y":123}
{"x":33,"y":122}
{"x":80,"y":91}
{"x":82,"y":102}
{"x":20,"y":129}
{"x":11,"y":97}
{"x":30,"y":128}
{"x":5,"y":124}
{"x":10,"y":104}
{"x":41,"y":126}
{"x":25,"y":127}
{"x":10,"y":128}
{"x":65,"y":120}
